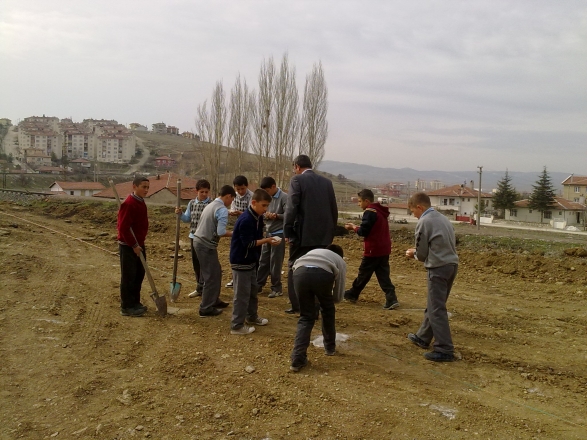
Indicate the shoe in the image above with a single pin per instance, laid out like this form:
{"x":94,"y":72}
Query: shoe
{"x":230,"y":284}
{"x":195,"y":293}
{"x":292,"y":312}
{"x":274,"y":294}
{"x":329,"y":352}
{"x":295,"y":367}
{"x":392,"y":306}
{"x":349,"y":297}
{"x":142,"y":307}
{"x":133,"y":311}
{"x":259,"y":289}
{"x":244,"y":330}
{"x":258,"y":321}
{"x":437,"y":356}
{"x":417,"y":341}
{"x":221,"y":304}
{"x":212,"y":312}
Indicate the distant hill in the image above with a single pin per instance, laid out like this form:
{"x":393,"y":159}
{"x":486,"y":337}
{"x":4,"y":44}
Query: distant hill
{"x":370,"y":175}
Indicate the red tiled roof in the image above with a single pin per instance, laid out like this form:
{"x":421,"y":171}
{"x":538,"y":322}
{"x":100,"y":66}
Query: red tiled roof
{"x":164,"y":158}
{"x":78,"y":185}
{"x":458,"y":191}
{"x":168,"y":180}
{"x":559,"y":203}
{"x":80,"y":160}
{"x":575,"y":180}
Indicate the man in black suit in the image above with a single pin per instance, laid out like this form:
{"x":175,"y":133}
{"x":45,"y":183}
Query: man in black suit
{"x":310,"y":219}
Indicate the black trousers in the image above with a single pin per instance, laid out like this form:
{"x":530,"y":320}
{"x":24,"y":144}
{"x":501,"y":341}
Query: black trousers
{"x":132,"y":274}
{"x":379,"y":265}
{"x":313,"y":285}
{"x":295,"y":252}
{"x":196,"y":266}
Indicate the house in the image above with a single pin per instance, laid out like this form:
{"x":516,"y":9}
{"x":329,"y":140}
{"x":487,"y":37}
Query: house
{"x":159,"y":127}
{"x":77,"y":188}
{"x":172,"y":130}
{"x":52,"y":170}
{"x":36,"y":157}
{"x":162,"y":189}
{"x":575,"y":188}
{"x":135,"y":126}
{"x":164,"y":162}
{"x":81,"y":162}
{"x":459,"y":200}
{"x":399,"y":209}
{"x":562,"y":211}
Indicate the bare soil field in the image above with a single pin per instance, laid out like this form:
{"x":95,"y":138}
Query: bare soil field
{"x":72,"y":368}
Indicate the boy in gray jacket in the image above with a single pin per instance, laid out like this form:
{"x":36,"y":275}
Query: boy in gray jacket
{"x":271,"y":261}
{"x":436,"y":247}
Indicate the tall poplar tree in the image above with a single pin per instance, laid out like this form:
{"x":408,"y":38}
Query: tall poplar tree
{"x":542,"y":197}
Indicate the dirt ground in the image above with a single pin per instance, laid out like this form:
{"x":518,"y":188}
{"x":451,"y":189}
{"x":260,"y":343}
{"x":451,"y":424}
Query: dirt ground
{"x":73,"y":368}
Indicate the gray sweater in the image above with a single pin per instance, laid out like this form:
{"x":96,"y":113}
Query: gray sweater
{"x":435,"y":240}
{"x":277,"y":206}
{"x":330,"y":262}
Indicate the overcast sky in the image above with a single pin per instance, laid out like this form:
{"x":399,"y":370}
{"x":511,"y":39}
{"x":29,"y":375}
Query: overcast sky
{"x":445,"y":85}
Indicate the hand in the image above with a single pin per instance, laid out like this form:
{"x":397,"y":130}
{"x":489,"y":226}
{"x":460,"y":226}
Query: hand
{"x":178,"y":210}
{"x":274,"y":241}
{"x":137,"y":250}
{"x":410,"y":253}
{"x":350,"y":226}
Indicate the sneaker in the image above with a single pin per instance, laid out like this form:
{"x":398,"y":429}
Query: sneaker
{"x":133,"y":311}
{"x":212,"y":312}
{"x":297,"y":366}
{"x":258,"y":321}
{"x":274,"y":294}
{"x":195,"y":293}
{"x":437,"y":356}
{"x":417,"y":341}
{"x":230,"y":284}
{"x":391,"y":306}
{"x":244,"y":330}
{"x":259,"y":289}
{"x":329,"y":352}
{"x":142,"y":307}
{"x":221,"y":304}
{"x":292,"y":312}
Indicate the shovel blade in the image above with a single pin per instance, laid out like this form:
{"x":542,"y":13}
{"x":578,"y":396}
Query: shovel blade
{"x":160,"y":303}
{"x":174,"y":289}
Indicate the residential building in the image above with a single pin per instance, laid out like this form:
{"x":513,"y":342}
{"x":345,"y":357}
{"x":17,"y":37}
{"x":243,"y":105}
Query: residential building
{"x":82,"y":163}
{"x":164,"y":162}
{"x":562,"y":211}
{"x":77,"y":188}
{"x":37,"y":157}
{"x":159,"y":127}
{"x":575,"y":188}
{"x":459,"y":200}
{"x":172,"y":130}
{"x":135,"y":126}
{"x":190,"y":135}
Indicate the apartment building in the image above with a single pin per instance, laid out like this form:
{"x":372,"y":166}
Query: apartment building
{"x":159,"y":127}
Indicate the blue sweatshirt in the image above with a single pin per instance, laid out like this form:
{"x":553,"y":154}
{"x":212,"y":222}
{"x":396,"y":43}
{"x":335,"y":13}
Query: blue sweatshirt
{"x":244,"y":252}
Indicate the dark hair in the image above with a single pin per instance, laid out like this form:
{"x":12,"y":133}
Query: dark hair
{"x":240,"y":180}
{"x":336,"y":249}
{"x":303,"y":161}
{"x":226,"y":190}
{"x":420,"y":198}
{"x":267,"y":182}
{"x":137,"y":180}
{"x":202,"y":183}
{"x":366,"y":194}
{"x":260,"y":195}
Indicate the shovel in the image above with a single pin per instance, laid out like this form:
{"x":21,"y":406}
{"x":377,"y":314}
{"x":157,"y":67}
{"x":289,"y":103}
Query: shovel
{"x":160,"y":301}
{"x":174,"y":286}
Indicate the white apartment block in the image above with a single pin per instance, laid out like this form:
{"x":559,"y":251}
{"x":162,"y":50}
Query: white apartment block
{"x":100,"y":140}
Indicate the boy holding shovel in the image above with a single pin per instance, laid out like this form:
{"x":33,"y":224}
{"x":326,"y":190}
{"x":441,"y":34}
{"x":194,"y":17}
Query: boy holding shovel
{"x":132,"y":215}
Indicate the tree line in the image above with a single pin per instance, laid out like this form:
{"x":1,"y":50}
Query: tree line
{"x":266,"y":121}
{"x":541,"y":199}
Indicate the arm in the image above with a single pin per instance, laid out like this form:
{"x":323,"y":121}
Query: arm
{"x":333,"y":207}
{"x":338,"y":291}
{"x":222,"y":218}
{"x":187,"y":215}
{"x":369,"y":219}
{"x":422,"y":242}
{"x":292,"y":209}
{"x":125,"y":221}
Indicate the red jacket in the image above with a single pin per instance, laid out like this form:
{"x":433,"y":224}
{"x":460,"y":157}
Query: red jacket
{"x":375,"y":229}
{"x":133,"y":214}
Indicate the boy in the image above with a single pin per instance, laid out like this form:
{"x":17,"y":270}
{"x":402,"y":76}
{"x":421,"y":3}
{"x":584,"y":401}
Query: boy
{"x":247,"y":238}
{"x":192,"y":214}
{"x":211,"y":227}
{"x":375,"y":229}
{"x":315,"y":275}
{"x":132,"y":215}
{"x":436,"y":247}
{"x":271,"y":261}
{"x":241,"y":201}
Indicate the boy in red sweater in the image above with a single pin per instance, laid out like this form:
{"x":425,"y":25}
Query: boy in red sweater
{"x":132,"y":214}
{"x":375,"y":230}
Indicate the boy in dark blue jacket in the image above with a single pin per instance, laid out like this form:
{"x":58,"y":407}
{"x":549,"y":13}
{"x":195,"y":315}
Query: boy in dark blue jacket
{"x":245,"y":250}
